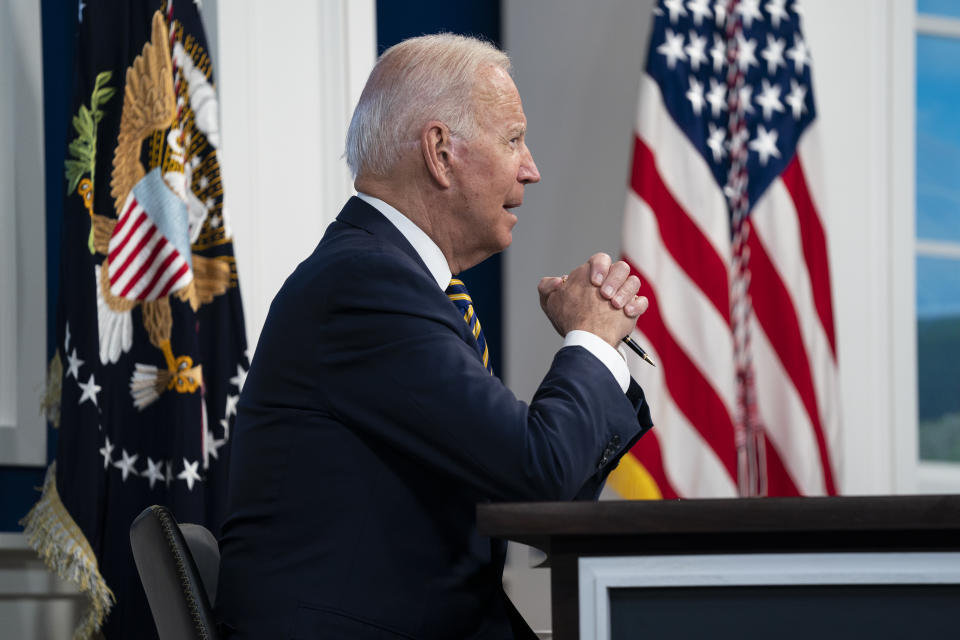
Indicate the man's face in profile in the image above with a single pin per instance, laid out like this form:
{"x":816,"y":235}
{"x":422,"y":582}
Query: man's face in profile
{"x":496,"y":165}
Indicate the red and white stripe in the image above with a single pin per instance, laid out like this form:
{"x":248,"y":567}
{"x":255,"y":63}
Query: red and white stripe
{"x":144,"y":265}
{"x":677,"y":239}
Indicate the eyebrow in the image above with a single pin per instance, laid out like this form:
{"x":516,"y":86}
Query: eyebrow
{"x":517,"y":129}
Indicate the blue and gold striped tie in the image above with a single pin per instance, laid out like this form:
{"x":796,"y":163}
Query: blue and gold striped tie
{"x":457,"y":292}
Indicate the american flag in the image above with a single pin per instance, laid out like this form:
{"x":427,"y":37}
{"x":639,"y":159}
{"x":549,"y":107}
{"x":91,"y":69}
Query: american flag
{"x":723,"y":227}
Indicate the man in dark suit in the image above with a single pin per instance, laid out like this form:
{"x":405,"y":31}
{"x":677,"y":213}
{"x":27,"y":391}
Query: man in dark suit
{"x":369,"y":425}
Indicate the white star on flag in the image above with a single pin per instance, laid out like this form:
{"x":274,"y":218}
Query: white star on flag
{"x":769,"y":99}
{"x":777,"y":12}
{"x":240,"y":378}
{"x":765,"y":144}
{"x":225,"y":423}
{"x":107,"y":451}
{"x":210,"y":446}
{"x":90,"y":390}
{"x":154,"y":471}
{"x":127,"y":464}
{"x":717,"y":97}
{"x":231,"y":409}
{"x":799,"y":54}
{"x":695,"y":95}
{"x":773,"y":54}
{"x":695,"y":50}
{"x":746,"y":52}
{"x":749,"y":10}
{"x":715,"y":142}
{"x":719,"y":53}
{"x":797,"y":99}
{"x":73,"y":365}
{"x":189,"y":473}
{"x":672,"y":48}
{"x":700,"y":10}
{"x":720,"y":12}
{"x":675,"y":7}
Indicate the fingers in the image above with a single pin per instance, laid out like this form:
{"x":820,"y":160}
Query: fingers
{"x":547,"y":286}
{"x":616,"y":276}
{"x":599,"y":265}
{"x":617,"y":285}
{"x":636,"y":306}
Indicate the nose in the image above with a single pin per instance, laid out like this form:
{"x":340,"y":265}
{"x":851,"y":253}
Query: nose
{"x":528,"y":173}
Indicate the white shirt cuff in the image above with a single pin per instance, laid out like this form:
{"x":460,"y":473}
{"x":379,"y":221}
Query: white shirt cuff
{"x":610,"y":357}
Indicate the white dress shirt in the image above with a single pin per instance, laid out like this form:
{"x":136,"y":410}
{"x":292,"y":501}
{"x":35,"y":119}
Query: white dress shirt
{"x":431,"y":255}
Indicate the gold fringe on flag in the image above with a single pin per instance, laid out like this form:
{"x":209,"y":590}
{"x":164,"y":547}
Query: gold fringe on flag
{"x":57,"y":539}
{"x":50,"y":403}
{"x":632,"y":480}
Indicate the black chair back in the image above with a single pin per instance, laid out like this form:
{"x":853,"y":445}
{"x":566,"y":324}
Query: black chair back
{"x":178,"y":591}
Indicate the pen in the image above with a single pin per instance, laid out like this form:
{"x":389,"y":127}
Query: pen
{"x":637,"y":349}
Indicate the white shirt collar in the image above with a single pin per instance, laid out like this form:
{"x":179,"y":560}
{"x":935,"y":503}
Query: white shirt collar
{"x":426,"y":248}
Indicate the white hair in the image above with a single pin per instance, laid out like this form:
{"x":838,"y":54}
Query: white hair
{"x":420,"y":79}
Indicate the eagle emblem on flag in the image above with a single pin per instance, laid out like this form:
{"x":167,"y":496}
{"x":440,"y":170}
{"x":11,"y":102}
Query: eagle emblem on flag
{"x":148,"y":245}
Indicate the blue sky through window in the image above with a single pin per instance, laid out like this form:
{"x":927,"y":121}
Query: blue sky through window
{"x":949,"y":8}
{"x":938,"y":219}
{"x":938,"y":170}
{"x":938,"y":138}
{"x":938,"y":287}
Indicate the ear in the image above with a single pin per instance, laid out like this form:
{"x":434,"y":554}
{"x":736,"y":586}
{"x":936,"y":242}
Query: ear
{"x":436,"y":145}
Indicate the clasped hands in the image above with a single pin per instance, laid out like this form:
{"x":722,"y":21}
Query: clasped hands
{"x":597,"y":296}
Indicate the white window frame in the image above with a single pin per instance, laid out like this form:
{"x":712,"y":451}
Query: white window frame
{"x":23,"y":278}
{"x":935,"y":477}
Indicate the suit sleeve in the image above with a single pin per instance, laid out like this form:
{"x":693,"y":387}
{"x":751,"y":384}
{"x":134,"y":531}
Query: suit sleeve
{"x":391,"y":359}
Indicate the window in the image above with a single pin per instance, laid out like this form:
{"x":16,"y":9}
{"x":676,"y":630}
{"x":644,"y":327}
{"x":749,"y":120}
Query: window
{"x":938,"y":232}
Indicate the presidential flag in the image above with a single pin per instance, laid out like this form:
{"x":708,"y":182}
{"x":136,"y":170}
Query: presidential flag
{"x":150,"y":324}
{"x":724,"y":228}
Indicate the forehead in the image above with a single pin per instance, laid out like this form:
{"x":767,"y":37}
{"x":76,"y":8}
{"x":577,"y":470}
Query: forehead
{"x":497,"y":99}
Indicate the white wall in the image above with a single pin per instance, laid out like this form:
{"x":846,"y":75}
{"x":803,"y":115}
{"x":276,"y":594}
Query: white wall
{"x":290,"y":72}
{"x":863,"y":70}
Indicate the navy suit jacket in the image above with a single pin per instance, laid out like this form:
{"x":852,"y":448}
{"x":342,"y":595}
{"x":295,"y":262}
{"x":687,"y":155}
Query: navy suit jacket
{"x":368,"y":430}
